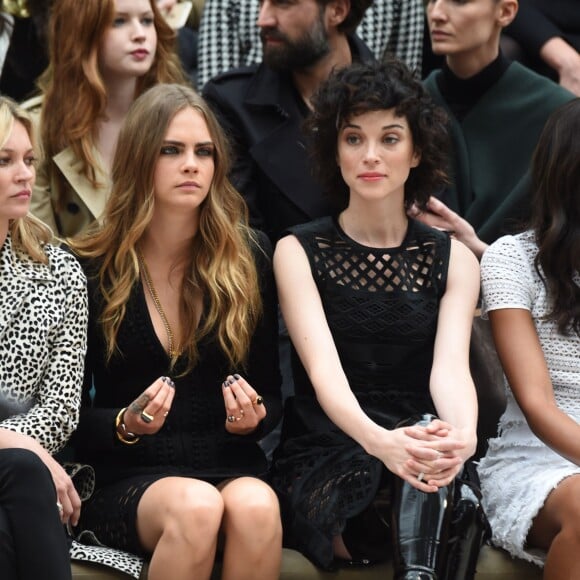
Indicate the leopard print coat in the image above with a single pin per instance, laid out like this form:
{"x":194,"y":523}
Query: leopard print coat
{"x":43,"y":330}
{"x":43,"y":341}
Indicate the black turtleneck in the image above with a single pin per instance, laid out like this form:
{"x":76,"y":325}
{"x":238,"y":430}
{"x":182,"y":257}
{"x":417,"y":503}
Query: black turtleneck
{"x":461,"y":95}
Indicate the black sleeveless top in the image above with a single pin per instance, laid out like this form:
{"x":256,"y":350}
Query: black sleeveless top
{"x":382,"y":306}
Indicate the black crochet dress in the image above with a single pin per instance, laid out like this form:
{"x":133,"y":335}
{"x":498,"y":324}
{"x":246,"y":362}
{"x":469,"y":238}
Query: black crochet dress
{"x":381,"y":306}
{"x":193,"y":441}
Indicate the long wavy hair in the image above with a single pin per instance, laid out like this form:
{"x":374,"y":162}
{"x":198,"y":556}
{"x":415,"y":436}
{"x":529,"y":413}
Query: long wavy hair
{"x":28,"y":234}
{"x":75,"y":95}
{"x":556,"y":213}
{"x":221,"y":265}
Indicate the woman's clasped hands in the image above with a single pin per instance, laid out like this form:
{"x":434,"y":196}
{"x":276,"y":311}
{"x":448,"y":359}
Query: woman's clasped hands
{"x":437,"y":453}
{"x":427,"y":456}
{"x":244,"y":407}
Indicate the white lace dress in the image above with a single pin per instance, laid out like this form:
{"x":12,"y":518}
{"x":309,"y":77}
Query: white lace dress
{"x":519,"y":470}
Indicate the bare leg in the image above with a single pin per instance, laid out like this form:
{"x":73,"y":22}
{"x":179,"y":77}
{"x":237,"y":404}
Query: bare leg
{"x":556,"y":529}
{"x":252,"y":529}
{"x":178,"y":519}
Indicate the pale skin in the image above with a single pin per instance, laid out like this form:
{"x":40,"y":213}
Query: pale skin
{"x":438,"y":215}
{"x":181,"y":521}
{"x":375,"y":153}
{"x":564,"y":59}
{"x":17,"y":175}
{"x":468,"y":35}
{"x":132,"y":29}
{"x":556,"y":528}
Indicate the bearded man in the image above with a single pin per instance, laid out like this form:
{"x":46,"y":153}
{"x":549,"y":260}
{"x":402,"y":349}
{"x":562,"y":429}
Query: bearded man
{"x":262,"y":107}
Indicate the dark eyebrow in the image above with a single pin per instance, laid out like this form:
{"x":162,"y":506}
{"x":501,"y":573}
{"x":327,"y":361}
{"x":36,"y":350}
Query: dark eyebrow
{"x":145,"y":12}
{"x":180,"y":144}
{"x":392,"y":126}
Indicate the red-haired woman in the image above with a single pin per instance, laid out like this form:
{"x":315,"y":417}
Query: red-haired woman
{"x":119,"y":48}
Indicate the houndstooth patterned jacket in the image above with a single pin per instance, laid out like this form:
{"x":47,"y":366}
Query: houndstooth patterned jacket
{"x":229,"y":36}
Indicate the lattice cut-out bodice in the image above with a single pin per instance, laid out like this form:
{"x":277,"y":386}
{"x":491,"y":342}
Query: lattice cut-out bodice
{"x":381,"y":303}
{"x":371,"y":269}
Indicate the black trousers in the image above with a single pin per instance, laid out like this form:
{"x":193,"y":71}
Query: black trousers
{"x":32,"y":539}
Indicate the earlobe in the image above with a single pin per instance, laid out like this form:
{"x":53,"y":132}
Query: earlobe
{"x":416,"y":159}
{"x":337,"y":11}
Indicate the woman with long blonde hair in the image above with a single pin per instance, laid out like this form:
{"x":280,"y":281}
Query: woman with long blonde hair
{"x":43,"y":325}
{"x":119,"y":48}
{"x":183,"y":353}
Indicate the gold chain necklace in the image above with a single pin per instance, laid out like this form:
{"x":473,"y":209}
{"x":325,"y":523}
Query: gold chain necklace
{"x":173,"y":352}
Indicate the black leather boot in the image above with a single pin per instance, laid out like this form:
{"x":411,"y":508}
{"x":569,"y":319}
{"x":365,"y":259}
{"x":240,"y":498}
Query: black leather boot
{"x":420,"y":524}
{"x":469,"y":527}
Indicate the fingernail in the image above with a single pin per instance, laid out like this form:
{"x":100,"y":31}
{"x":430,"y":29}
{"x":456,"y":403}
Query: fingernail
{"x":237,"y":377}
{"x":231,"y":381}
{"x":164,"y":379}
{"x":225,"y":385}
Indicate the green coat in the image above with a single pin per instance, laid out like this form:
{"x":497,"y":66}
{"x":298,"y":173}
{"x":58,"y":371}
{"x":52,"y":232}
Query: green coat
{"x":493,"y":146}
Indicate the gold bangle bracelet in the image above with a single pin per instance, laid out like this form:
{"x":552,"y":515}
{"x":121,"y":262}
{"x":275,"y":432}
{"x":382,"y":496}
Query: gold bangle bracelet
{"x":125,"y":437}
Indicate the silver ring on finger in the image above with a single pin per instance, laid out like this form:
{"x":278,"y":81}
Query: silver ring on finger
{"x":420,"y":476}
{"x":231,"y":418}
{"x":60,"y":508}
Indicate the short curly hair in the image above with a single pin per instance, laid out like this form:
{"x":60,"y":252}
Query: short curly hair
{"x":361,"y":88}
{"x":355,"y":14}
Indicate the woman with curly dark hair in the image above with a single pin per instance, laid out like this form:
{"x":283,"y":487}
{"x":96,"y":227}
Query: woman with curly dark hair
{"x":379,"y":308}
{"x":531,"y":291}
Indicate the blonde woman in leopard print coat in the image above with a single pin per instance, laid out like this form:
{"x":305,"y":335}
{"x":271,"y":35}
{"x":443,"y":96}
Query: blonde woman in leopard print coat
{"x":43,"y":319}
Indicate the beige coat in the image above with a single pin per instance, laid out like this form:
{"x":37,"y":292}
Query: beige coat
{"x":82,"y":203}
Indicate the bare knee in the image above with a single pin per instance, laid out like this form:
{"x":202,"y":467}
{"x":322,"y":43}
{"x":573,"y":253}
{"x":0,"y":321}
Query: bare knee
{"x":570,"y":521}
{"x":180,"y":511}
{"x":252,"y":505}
{"x":195,"y":511}
{"x":560,"y":516}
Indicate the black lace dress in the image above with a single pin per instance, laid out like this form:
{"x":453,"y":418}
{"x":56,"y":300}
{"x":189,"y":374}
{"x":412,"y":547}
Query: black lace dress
{"x":381,"y":306}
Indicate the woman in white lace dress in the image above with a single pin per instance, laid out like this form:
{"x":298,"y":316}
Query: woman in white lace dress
{"x":531,"y":288}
